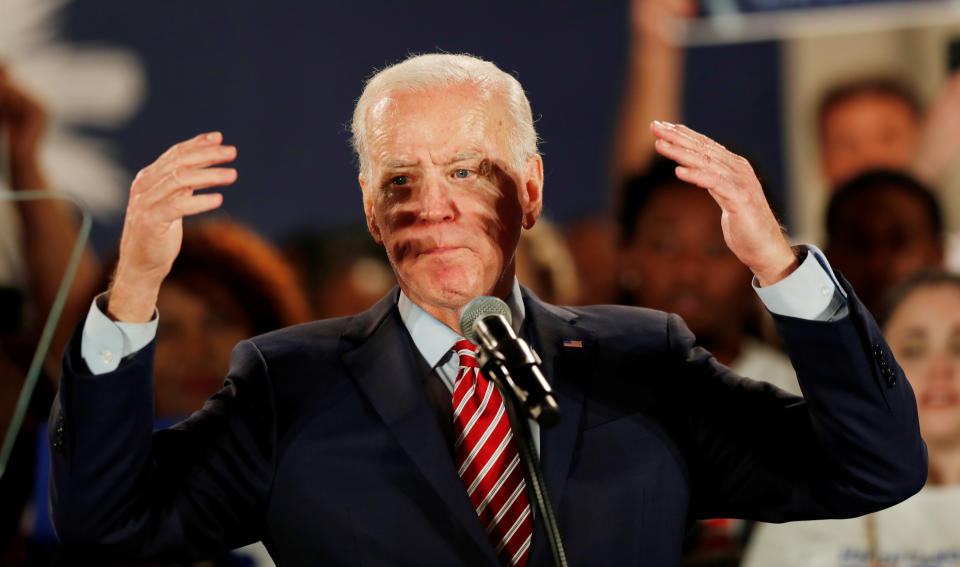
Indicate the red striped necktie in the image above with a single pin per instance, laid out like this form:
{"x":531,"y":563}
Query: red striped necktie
{"x":488,"y":461}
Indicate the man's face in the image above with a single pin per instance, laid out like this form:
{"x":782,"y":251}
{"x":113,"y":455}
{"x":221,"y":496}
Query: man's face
{"x":882,"y":237}
{"x":864,"y":132}
{"x":683,"y":263}
{"x":443,"y":195}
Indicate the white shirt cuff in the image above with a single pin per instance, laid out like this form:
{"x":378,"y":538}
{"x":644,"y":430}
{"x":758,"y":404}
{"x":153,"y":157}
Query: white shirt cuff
{"x":105,"y":342}
{"x":811,"y":292}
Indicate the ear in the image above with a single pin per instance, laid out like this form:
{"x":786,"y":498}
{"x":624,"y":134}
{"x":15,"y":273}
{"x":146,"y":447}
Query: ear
{"x":531,"y":191}
{"x":368,"y":210}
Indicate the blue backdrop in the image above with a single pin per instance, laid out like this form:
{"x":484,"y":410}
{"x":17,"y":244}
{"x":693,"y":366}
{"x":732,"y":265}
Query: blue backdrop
{"x":279,"y":79}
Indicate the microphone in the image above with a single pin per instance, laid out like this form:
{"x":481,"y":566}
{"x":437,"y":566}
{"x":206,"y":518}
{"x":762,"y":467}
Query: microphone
{"x":486,"y":322}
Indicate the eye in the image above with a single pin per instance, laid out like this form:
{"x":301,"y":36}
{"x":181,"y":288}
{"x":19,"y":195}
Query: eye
{"x":400,"y":180}
{"x":461,"y":173}
{"x":912,"y":350}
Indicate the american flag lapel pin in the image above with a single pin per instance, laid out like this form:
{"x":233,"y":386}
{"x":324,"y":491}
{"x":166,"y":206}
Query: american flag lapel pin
{"x":570,"y":343}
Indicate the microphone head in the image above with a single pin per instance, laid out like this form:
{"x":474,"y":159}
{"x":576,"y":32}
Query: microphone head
{"x":478,"y":309}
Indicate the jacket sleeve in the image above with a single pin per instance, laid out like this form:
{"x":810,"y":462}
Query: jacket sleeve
{"x":850,"y":446}
{"x":186,"y":493}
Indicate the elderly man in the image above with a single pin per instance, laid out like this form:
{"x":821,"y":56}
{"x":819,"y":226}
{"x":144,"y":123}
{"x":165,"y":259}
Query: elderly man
{"x":370,"y":440}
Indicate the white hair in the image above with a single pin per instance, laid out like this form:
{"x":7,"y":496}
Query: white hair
{"x":438,"y":70}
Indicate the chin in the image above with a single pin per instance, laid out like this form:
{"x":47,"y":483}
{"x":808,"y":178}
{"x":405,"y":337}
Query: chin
{"x":448,"y":286}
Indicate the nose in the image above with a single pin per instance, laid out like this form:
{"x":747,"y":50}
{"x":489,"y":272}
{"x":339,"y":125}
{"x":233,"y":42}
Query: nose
{"x":436,"y":203}
{"x":196,"y":344}
{"x":688,"y":267}
{"x":943,"y":367}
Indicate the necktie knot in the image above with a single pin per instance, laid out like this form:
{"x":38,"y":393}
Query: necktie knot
{"x":467,"y":352}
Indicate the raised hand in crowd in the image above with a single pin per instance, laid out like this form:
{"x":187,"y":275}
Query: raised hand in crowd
{"x":937,"y":149}
{"x":49,"y":226}
{"x":654,"y":81}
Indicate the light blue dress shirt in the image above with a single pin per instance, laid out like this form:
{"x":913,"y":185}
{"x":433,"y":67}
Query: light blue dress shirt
{"x":435,"y":341}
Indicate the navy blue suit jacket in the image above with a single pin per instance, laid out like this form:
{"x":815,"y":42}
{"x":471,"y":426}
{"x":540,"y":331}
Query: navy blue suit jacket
{"x":323,"y":444}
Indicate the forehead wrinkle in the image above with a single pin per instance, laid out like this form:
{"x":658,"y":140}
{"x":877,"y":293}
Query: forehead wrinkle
{"x":464,"y":156}
{"x":476,"y":128}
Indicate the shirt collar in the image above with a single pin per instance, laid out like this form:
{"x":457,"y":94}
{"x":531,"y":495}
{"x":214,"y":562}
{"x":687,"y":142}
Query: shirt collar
{"x":435,"y":340}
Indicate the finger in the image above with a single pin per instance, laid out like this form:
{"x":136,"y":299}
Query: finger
{"x":706,"y":141}
{"x":708,"y":180}
{"x":195,"y":157}
{"x":192,"y":158}
{"x":196,"y":204}
{"x":200,"y":140}
{"x":691,"y":158}
{"x":682,"y":136}
{"x":723,"y":191}
{"x":704,"y":144}
{"x":148,"y":176}
{"x":190,"y":179}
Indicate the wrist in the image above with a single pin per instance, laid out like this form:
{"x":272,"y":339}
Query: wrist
{"x":131,"y":303}
{"x":785,"y":265}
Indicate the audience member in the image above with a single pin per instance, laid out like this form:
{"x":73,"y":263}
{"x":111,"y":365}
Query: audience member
{"x":867,"y":124}
{"x":48,"y":227}
{"x":882,"y":226}
{"x":653,"y":88}
{"x":880,"y":123}
{"x":675,"y":258}
{"x":227,"y":284}
{"x":652,"y":91}
{"x":922,"y":325}
{"x":863,"y":124}
{"x":545,"y":265}
{"x":344,"y":271}
{"x":47,"y":233}
{"x":592,"y":242}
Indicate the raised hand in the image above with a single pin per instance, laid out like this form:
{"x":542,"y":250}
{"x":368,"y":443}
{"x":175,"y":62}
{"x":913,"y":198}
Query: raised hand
{"x":22,"y":123}
{"x":161,"y":195}
{"x":657,"y":19}
{"x":751,"y":231}
{"x":937,"y":149}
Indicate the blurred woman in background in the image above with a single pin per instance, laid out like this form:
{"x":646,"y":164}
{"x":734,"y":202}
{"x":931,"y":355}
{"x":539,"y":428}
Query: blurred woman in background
{"x":922,"y":326}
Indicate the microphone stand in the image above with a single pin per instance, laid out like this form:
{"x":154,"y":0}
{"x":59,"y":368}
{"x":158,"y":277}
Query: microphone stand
{"x":496,"y":372}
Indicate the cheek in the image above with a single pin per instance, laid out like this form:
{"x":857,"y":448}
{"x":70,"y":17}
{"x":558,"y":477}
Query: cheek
{"x":163,"y":361}
{"x":656,"y":279}
{"x":223,"y":340}
{"x":913,"y":369}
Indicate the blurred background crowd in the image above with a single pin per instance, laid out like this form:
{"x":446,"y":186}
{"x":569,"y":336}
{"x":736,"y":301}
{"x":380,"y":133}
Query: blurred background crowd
{"x":850,"y":115}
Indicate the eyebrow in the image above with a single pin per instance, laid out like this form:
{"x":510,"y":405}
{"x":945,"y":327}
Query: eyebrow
{"x":914,"y":332}
{"x":396,"y":164}
{"x":474,"y":154}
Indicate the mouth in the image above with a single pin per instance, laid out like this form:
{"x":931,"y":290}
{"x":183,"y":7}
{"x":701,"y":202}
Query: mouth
{"x":934,"y":399}
{"x":438,"y":250}
{"x":200,"y":383}
{"x":686,"y":303}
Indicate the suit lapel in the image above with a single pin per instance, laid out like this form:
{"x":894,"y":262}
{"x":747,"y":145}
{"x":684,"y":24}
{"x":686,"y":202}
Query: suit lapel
{"x":382,"y":360}
{"x":567,"y":350}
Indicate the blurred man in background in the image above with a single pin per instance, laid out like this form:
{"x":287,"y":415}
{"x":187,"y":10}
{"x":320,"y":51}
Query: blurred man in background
{"x":883,"y":226}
